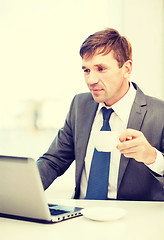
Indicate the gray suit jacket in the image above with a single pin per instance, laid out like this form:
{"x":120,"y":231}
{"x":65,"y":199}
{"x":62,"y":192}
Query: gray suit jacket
{"x":135,"y":180}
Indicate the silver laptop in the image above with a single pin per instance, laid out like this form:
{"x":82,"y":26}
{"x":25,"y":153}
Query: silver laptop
{"x":22,"y":195}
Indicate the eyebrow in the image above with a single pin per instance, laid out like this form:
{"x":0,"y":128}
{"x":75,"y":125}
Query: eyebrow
{"x":100,"y":64}
{"x":83,"y":67}
{"x":96,"y":65}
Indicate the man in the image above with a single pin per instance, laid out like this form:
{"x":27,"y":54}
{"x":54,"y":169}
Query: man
{"x":136,"y":166}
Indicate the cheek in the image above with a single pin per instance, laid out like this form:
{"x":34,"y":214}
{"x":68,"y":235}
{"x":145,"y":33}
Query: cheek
{"x":86,"y":79}
{"x":112,"y":83}
{"x":108,"y":80}
{"x":105,"y":79}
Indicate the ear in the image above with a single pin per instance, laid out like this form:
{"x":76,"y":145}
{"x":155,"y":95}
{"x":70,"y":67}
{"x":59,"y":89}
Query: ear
{"x":127,"y":68}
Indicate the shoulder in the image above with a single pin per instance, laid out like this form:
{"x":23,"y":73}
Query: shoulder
{"x":87,"y":96}
{"x":82,"y":99}
{"x":83,"y":104}
{"x":151,"y":102}
{"x":82,"y":108}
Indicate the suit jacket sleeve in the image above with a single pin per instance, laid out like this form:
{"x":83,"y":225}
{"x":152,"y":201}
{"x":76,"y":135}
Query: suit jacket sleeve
{"x":60,"y":154}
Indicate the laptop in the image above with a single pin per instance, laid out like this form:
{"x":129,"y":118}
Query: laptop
{"x":22,"y":195}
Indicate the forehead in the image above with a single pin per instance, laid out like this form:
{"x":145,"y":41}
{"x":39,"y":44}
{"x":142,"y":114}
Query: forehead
{"x":99,"y":59}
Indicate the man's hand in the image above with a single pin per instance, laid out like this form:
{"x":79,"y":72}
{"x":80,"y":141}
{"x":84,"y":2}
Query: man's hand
{"x":135,"y":145}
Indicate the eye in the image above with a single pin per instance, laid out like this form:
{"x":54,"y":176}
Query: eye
{"x":86,"y":70}
{"x":101,"y":69}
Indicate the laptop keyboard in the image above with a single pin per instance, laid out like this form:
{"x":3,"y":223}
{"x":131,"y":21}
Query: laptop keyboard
{"x":56,"y":211}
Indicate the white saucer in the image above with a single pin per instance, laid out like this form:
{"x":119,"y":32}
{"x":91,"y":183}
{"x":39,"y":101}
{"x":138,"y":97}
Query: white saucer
{"x":103,"y":213}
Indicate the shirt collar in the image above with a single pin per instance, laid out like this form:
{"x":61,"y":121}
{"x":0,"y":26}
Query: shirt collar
{"x":123,"y":107}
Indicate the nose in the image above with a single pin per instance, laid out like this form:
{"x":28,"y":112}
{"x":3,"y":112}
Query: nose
{"x":91,"y":78}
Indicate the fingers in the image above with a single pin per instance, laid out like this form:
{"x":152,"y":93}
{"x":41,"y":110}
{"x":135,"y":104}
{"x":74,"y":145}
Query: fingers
{"x":135,"y":145}
{"x":129,"y":134}
{"x":130,"y":142}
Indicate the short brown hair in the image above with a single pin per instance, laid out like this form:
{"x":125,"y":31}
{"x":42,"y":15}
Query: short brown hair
{"x":107,"y":40}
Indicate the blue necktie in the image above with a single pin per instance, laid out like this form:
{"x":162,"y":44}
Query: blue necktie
{"x":99,"y":171}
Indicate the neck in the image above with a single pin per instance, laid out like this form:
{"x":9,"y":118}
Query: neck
{"x":123,"y":91}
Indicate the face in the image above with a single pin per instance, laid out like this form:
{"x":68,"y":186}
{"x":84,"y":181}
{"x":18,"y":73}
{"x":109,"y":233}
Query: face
{"x":106,"y":81}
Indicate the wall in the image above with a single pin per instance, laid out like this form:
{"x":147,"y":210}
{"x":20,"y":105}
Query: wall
{"x":39,"y":62}
{"x":143,"y":23}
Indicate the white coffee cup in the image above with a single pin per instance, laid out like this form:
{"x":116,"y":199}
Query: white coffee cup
{"x":105,"y":141}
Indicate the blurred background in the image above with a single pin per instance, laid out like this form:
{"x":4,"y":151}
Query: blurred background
{"x":40,"y":66}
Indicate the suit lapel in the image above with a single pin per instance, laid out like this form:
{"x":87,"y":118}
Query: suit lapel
{"x":136,"y":119}
{"x":86,"y":121}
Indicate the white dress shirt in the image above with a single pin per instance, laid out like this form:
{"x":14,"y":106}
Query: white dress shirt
{"x":118,"y":122}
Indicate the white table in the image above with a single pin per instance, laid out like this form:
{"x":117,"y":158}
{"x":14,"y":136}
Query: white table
{"x":143,"y":221}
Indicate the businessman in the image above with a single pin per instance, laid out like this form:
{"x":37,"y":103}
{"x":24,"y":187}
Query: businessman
{"x":135,"y":169}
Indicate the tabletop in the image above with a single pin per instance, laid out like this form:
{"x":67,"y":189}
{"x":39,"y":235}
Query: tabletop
{"x":143,"y":220}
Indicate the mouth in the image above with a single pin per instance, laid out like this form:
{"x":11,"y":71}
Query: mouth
{"x":96,"y":90}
